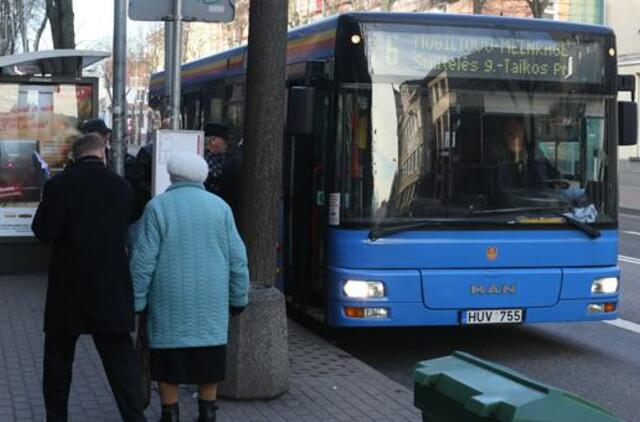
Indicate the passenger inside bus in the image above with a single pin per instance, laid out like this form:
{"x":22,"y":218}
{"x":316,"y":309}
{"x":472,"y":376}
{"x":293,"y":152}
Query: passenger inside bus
{"x":521,"y":166}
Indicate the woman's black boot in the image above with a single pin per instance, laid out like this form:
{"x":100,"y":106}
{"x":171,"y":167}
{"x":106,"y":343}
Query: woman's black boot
{"x":207,"y":410}
{"x":170,"y":413}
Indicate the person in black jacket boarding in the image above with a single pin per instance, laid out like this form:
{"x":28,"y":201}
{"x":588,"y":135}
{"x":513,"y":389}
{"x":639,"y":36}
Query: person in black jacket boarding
{"x":84,"y":215}
{"x":224,"y":161}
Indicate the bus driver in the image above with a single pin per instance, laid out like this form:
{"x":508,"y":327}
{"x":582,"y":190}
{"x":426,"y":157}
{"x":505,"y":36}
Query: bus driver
{"x":515,"y":169}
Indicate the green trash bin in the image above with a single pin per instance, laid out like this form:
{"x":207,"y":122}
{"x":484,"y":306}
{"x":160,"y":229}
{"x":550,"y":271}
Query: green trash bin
{"x":461,"y":388}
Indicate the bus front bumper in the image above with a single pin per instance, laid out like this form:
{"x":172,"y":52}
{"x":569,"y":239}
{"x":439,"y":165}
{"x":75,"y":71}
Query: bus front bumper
{"x":415,"y":314}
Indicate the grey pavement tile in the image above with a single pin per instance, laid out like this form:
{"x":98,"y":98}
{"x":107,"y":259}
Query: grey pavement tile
{"x":327,"y":383}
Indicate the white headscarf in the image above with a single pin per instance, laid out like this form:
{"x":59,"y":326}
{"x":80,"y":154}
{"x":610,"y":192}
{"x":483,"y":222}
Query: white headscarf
{"x":187,"y":167}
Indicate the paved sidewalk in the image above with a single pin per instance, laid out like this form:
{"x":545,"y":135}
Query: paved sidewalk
{"x":327,"y":384}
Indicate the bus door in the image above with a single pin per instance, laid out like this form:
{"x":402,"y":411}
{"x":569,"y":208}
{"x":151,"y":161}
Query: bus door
{"x":191,"y":111}
{"x":304,"y":207}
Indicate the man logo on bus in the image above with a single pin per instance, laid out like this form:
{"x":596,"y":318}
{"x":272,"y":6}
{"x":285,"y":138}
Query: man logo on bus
{"x":492,"y":253}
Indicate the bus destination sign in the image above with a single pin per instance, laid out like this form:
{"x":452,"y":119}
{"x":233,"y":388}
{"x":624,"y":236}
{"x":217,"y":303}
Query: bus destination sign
{"x":501,"y":55}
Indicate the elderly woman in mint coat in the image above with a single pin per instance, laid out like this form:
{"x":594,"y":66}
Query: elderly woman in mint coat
{"x":189,"y":269}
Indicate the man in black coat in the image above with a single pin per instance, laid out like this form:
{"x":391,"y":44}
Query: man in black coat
{"x":84,"y":214}
{"x":225,"y":161}
{"x":139,"y":176}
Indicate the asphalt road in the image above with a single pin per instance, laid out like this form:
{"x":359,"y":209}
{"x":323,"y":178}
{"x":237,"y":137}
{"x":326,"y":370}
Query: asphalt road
{"x":597,"y":361}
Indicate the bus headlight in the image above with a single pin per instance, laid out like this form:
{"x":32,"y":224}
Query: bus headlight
{"x":606,"y":285}
{"x":360,"y":289}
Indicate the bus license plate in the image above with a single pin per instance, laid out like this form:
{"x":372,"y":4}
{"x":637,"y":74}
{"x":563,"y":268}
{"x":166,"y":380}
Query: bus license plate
{"x":493,"y":316}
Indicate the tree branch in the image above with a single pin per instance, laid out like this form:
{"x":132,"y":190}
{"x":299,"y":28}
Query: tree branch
{"x":40,"y":32}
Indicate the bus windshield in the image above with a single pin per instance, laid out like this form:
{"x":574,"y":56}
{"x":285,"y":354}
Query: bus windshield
{"x":440,"y":146}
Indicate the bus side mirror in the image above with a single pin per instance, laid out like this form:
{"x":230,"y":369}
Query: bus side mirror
{"x":627,"y":123}
{"x":301,"y":110}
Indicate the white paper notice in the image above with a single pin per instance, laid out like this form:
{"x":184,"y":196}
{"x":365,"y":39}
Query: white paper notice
{"x":334,"y":209}
{"x":169,"y":142}
{"x":16,"y":221}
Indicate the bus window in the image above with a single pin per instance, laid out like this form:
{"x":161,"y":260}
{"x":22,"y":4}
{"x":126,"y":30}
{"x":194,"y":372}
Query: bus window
{"x":235,"y":110}
{"x":354,"y":130}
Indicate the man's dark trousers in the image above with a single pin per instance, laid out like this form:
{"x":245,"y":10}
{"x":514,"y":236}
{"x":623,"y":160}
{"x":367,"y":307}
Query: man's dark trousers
{"x":120,"y":364}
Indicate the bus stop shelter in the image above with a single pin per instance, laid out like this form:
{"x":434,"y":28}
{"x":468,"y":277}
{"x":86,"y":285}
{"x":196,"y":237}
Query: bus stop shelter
{"x":44,"y":98}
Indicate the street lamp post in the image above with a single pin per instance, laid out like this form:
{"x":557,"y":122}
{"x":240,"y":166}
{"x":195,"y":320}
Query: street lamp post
{"x":118,"y":147}
{"x":168,"y":45}
{"x":176,"y":58}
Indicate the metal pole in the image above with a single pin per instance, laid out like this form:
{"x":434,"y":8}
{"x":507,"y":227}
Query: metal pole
{"x":168,"y":69}
{"x":176,"y":53}
{"x":118,"y":147}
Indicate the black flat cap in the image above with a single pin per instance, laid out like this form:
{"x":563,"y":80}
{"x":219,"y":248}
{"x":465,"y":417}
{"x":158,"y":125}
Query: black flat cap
{"x":94,"y":125}
{"x":216,"y":129}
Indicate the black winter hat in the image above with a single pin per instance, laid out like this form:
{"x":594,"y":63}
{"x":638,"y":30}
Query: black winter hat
{"x":216,"y":129}
{"x":94,"y":125}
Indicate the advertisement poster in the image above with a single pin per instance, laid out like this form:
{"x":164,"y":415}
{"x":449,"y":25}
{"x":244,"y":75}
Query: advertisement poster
{"x":23,"y":173}
{"x":38,"y":123}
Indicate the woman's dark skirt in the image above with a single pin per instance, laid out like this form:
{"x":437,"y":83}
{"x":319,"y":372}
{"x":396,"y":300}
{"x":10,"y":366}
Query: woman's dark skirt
{"x":194,"y":365}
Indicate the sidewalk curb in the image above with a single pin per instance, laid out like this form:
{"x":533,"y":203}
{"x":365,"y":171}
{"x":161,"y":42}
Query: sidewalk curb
{"x":630,"y":211}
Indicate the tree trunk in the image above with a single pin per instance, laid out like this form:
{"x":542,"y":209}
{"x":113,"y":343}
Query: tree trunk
{"x":262,"y":155}
{"x":22,"y":24}
{"x":386,"y":5}
{"x":7,"y":33}
{"x":258,"y":367}
{"x":43,"y":25}
{"x":61,"y":19}
{"x":538,"y":7}
{"x":478,"y":5}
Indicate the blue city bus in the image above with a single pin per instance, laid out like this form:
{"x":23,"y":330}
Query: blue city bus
{"x":441,"y":169}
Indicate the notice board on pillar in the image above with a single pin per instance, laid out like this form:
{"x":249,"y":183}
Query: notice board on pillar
{"x":168,"y":143}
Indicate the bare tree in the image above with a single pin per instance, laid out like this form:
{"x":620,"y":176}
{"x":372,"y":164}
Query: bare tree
{"x":329,"y":7}
{"x":61,"y":19}
{"x":7,"y":33}
{"x":478,"y":5}
{"x":538,"y":7}
{"x":295,"y":18}
{"x":40,"y":32}
{"x":155,"y":48}
{"x":386,"y":5}
{"x":17,"y":19}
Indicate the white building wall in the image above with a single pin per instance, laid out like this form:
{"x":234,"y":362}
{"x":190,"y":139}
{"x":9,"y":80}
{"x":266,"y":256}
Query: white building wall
{"x":623,"y":17}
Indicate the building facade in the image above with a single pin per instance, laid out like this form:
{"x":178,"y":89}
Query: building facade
{"x":622,"y":16}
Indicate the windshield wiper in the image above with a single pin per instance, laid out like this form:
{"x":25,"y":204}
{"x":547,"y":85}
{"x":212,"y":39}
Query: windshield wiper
{"x":499,"y":211}
{"x":590,"y":231}
{"x":378,"y":232}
